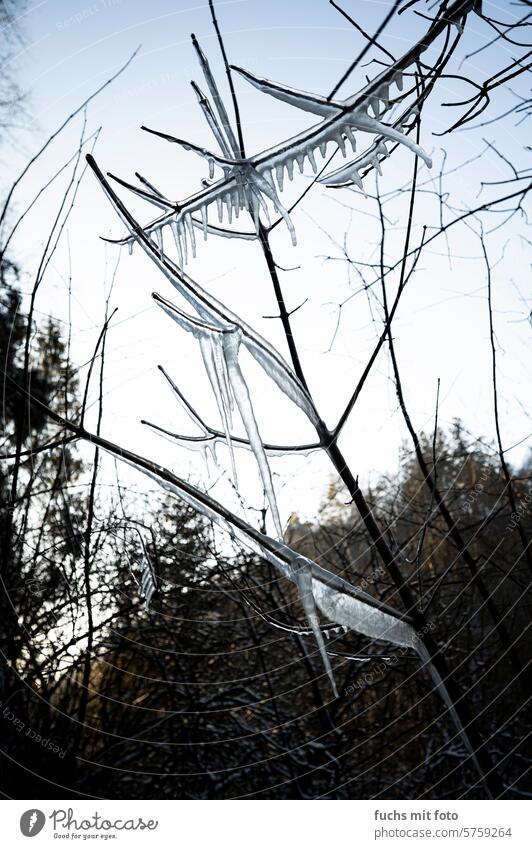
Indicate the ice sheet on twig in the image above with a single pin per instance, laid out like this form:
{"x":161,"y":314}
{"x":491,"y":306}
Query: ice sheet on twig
{"x":219,"y":348}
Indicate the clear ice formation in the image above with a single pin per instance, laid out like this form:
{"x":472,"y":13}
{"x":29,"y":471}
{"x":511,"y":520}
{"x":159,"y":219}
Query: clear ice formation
{"x":219,"y":348}
{"x":251,"y":183}
{"x":338,"y":600}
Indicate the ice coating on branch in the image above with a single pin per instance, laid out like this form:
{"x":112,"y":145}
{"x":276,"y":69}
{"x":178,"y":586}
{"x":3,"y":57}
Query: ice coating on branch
{"x":210,"y":437}
{"x":303,"y":100}
{"x":245,"y":184}
{"x":211,"y":310}
{"x":219,"y":349}
{"x":340,"y":121}
{"x":213,"y":88}
{"x":216,"y":313}
{"x":378,"y":624}
{"x":209,"y":338}
{"x":288,"y":562}
{"x":363,"y":111}
{"x":354,"y":614}
{"x":211,"y":119}
{"x":217,"y":374}
{"x":248,"y":180}
{"x":350,"y":172}
{"x":350,"y":115}
{"x":304,"y":583}
{"x":265,"y":354}
{"x":231,"y":345}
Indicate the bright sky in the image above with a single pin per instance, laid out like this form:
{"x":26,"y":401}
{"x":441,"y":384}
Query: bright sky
{"x":442,"y":327}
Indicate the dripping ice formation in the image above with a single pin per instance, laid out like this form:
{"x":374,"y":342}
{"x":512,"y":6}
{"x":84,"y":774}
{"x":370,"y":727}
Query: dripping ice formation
{"x":213,"y":311}
{"x":220,"y":334}
{"x":341,"y":602}
{"x":248,"y":183}
{"x":254,"y":183}
{"x":304,"y":582}
{"x":219,"y":346}
{"x":211,"y":436}
{"x":343,"y":119}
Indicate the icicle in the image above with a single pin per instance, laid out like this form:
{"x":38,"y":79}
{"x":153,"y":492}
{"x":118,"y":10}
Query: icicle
{"x":255,"y":184}
{"x":312,"y":159}
{"x":211,"y":168}
{"x":279,"y":173}
{"x":256,"y":212}
{"x":265,"y":187}
{"x":351,"y":136}
{"x":444,"y":693}
{"x":290,"y":168}
{"x":376,"y":164}
{"x":374,"y":103}
{"x":183,"y":235}
{"x":204,"y":218}
{"x":323,"y":149}
{"x":229,"y":204}
{"x":398,"y":80}
{"x":304,"y":584}
{"x":175,"y":232}
{"x":339,"y":139}
{"x":236,"y":203}
{"x":241,"y":195}
{"x":220,"y":207}
{"x":130,"y":244}
{"x":192,"y":235}
{"x":300,"y":157}
{"x":231,"y":344}
{"x":218,"y":383}
{"x":223,"y":377}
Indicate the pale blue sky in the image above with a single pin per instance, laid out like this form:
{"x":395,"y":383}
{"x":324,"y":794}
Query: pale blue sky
{"x":442,"y":326}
